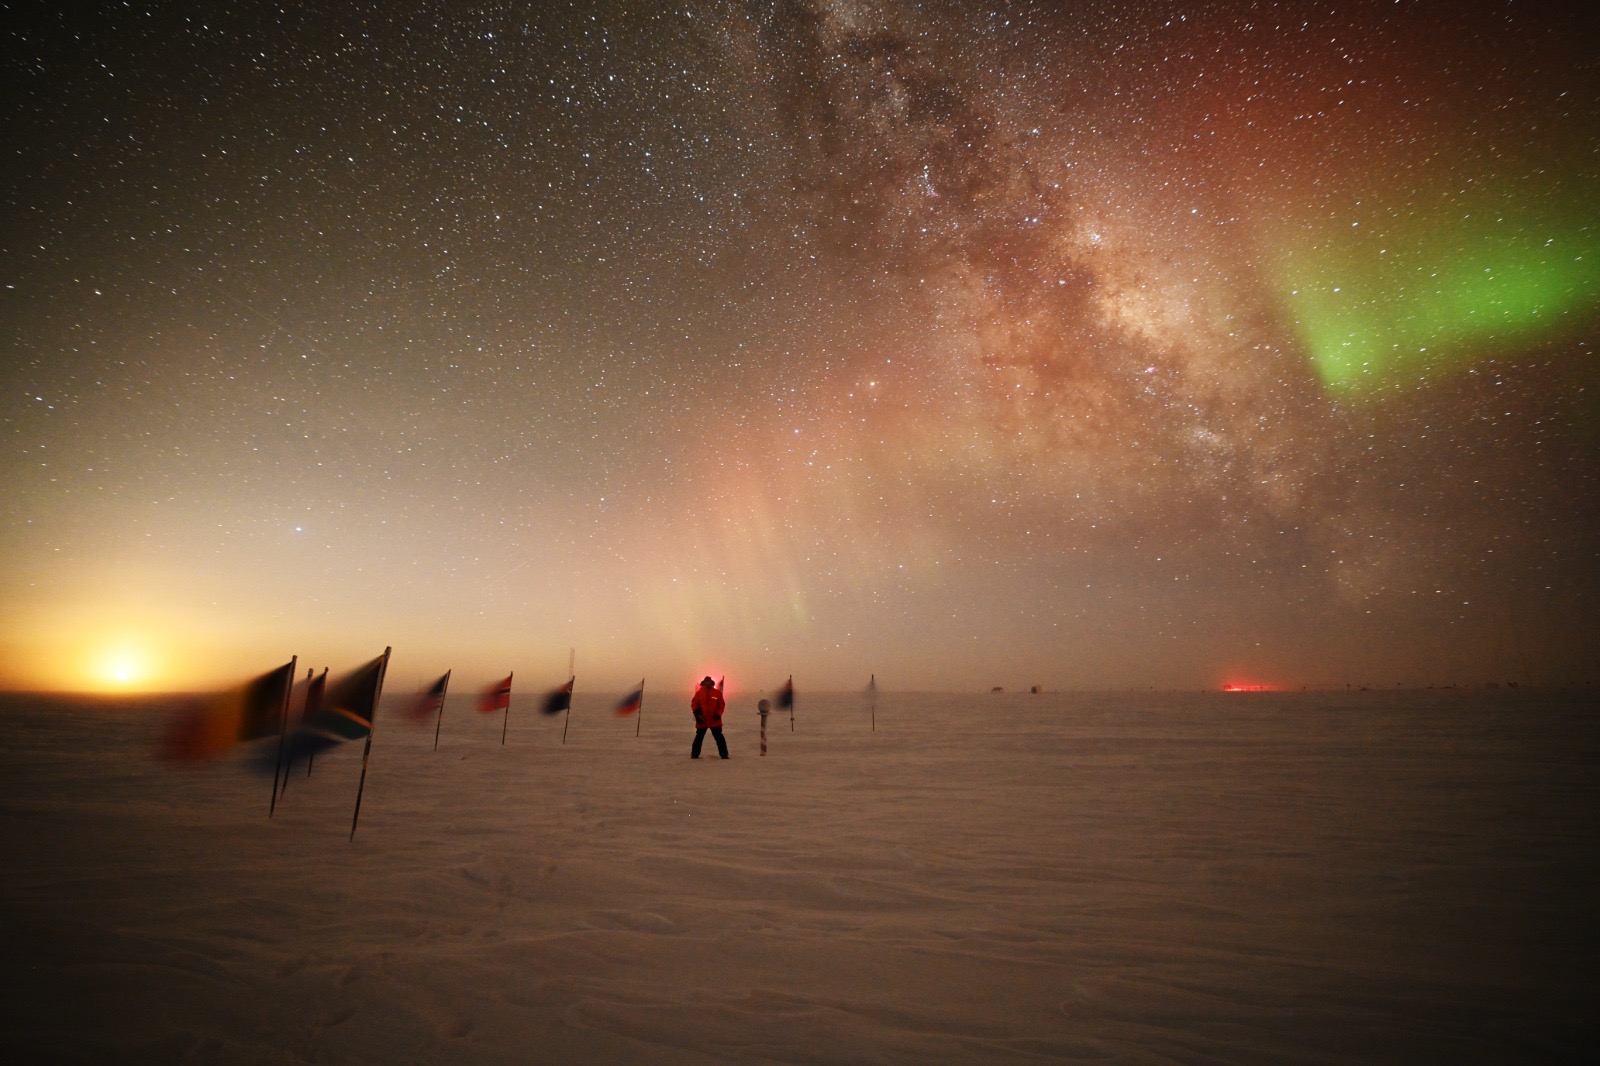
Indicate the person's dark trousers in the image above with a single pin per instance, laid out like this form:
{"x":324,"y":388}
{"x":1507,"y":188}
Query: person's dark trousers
{"x":700,"y":738}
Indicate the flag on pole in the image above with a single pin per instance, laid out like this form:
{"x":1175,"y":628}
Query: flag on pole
{"x":631,"y":702}
{"x":316,"y":691}
{"x":338,"y":712}
{"x":430,"y":702}
{"x":786,"y":699}
{"x":345,"y":711}
{"x":382,"y":667}
{"x":559,"y":700}
{"x":497,"y":697}
{"x":316,"y":695}
{"x":249,"y":711}
{"x":433,"y":700}
{"x":297,"y":702}
{"x":308,"y":702}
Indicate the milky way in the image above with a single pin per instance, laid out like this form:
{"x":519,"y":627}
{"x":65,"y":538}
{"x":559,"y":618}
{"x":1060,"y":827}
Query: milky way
{"x":1154,"y":344}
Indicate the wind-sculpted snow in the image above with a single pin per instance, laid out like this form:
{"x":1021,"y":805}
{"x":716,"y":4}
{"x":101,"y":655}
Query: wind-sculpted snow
{"x":1308,"y":877}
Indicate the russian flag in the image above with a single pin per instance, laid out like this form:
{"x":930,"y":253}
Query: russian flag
{"x":631,"y":702}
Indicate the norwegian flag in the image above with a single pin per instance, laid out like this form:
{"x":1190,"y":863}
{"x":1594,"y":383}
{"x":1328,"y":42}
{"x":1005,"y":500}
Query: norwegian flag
{"x":497,"y":697}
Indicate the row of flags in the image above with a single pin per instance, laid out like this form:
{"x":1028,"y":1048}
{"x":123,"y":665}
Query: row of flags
{"x":263,"y":707}
{"x":327,"y":714}
{"x":497,"y":697}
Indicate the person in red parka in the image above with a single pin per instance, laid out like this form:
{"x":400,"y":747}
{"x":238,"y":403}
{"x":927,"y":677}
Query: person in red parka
{"x":707,"y":707}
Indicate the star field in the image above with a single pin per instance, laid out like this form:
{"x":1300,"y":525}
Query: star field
{"x":1152,"y":344}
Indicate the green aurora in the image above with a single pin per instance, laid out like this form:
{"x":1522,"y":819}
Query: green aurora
{"x":1397,"y":295}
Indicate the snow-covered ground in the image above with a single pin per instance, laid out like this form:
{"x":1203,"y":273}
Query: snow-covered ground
{"x":1134,"y":877}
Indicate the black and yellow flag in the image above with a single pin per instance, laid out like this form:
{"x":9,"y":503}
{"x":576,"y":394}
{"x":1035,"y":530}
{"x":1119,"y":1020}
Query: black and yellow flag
{"x":249,"y":711}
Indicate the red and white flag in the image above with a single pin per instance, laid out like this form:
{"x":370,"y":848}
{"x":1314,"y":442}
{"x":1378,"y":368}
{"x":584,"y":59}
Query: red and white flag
{"x":497,"y":697}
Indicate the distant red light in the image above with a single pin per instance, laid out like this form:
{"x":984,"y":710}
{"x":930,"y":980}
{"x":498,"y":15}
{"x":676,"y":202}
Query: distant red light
{"x":1247,"y":686}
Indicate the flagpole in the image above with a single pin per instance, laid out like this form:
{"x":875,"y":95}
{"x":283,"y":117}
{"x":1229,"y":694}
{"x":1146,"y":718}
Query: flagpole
{"x":639,"y":721}
{"x":283,"y":729}
{"x":440,"y":720}
{"x":372,"y":727}
{"x":294,"y":738}
{"x":311,"y":756}
{"x":572,"y":677}
{"x":288,"y":760}
{"x":507,"y":723}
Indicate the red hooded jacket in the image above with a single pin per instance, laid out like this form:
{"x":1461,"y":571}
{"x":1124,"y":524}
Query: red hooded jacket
{"x":707,"y":707}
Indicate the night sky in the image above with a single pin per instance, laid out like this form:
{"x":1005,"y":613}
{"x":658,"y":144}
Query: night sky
{"x":1072,"y":344}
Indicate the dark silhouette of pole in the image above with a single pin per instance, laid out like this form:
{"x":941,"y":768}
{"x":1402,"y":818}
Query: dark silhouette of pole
{"x":572,"y":679}
{"x":372,"y":727}
{"x":283,"y":731}
{"x":440,"y":720}
{"x":507,"y":723}
{"x":314,"y":691}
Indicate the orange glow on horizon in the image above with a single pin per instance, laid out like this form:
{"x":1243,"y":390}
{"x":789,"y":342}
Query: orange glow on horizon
{"x":102,"y":650}
{"x":1248,"y":686}
{"x":123,"y":664}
